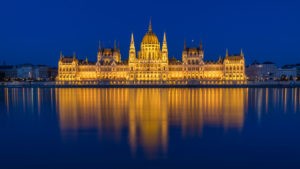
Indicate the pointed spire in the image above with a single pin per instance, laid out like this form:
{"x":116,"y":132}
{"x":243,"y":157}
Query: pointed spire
{"x":132,"y":46}
{"x":184,"y":44}
{"x":115,"y":44}
{"x":74,"y":55}
{"x":220,"y":58}
{"x":164,"y":46}
{"x":61,"y":55}
{"x":132,"y":49}
{"x":165,"y":38}
{"x":150,"y":26}
{"x":86,"y":59}
{"x":226,"y":52}
{"x":201,"y":45}
{"x":132,"y":38}
{"x":242,"y":53}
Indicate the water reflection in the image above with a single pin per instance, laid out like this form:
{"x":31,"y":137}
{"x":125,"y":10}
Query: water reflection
{"x":145,"y":117}
{"x":148,"y":113}
{"x":26,"y":100}
{"x":268,"y":100}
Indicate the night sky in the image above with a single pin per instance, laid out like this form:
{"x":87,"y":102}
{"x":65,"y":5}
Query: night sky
{"x":35,"y":31}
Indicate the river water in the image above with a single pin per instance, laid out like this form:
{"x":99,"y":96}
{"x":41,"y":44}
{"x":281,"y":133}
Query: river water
{"x":149,"y":128}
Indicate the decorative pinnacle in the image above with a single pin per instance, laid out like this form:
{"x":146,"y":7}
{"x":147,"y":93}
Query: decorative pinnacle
{"x":226,"y":52}
{"x":165,"y":37}
{"x":132,"y":38}
{"x":132,"y":47}
{"x":150,"y":26}
{"x":74,"y":55}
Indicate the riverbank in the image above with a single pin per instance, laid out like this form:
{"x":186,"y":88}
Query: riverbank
{"x":211,"y":84}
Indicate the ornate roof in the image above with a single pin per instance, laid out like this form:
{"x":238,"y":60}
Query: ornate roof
{"x":150,"y":37}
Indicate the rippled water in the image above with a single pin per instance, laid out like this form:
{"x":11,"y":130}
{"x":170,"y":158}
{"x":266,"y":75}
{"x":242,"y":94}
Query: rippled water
{"x":149,"y":128}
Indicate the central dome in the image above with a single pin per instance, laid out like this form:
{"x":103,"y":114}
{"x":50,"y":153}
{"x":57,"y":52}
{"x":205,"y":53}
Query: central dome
{"x":150,"y":37}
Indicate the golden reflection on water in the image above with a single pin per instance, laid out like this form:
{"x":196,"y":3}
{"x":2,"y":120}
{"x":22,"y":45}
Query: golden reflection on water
{"x":147,"y":116}
{"x":148,"y":113}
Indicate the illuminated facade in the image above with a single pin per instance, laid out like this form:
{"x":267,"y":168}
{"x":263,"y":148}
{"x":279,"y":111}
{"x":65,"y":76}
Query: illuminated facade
{"x":151,"y":65}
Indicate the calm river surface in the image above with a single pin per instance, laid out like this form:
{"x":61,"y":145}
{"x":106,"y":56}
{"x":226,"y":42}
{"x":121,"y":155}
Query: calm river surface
{"x":149,"y":128}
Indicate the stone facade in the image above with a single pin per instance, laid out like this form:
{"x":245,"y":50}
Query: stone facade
{"x":151,"y":64}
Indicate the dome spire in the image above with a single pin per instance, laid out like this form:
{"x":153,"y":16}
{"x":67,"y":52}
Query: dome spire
{"x":150,"y":26}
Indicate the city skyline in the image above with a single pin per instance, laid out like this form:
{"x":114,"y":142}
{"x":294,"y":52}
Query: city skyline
{"x":36,"y":31}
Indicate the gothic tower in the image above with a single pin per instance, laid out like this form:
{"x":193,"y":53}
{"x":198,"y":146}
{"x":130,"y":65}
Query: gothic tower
{"x":165,"y":49}
{"x":132,"y":54}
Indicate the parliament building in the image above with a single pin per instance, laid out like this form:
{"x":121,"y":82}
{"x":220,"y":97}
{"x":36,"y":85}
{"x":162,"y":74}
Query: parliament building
{"x":151,"y":65}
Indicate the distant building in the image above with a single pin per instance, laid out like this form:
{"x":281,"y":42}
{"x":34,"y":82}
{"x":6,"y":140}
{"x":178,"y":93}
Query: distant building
{"x":41,"y":72}
{"x":35,"y":72}
{"x":25,"y":71}
{"x":287,"y":72}
{"x":8,"y":72}
{"x":261,"y":71}
{"x":298,"y":69}
{"x":151,"y":65}
{"x":52,"y":72}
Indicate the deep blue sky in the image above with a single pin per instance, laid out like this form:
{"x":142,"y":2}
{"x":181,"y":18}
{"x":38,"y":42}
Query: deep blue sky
{"x":35,"y":31}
